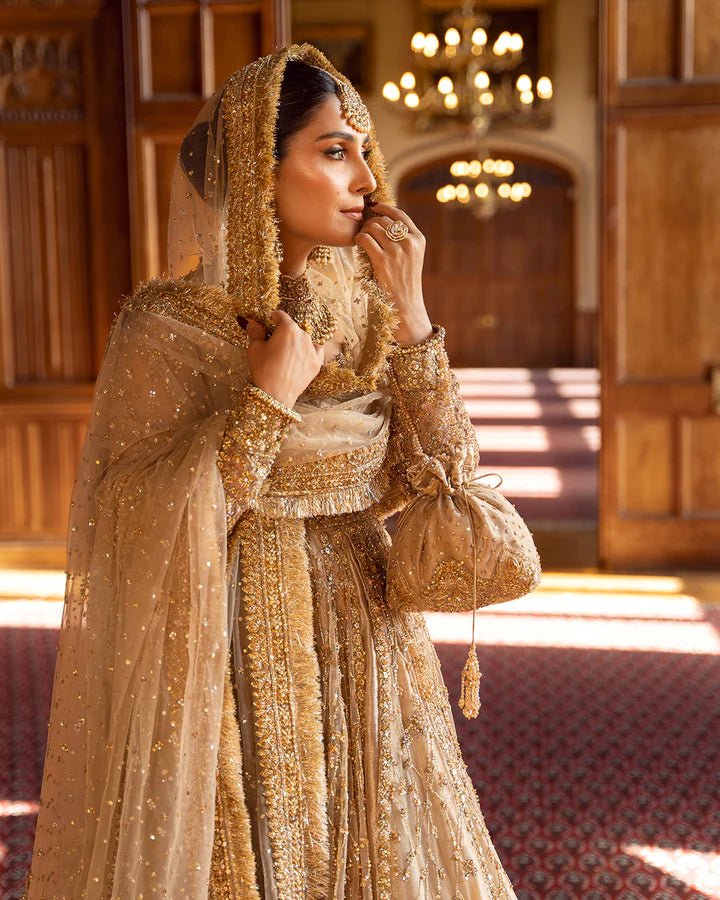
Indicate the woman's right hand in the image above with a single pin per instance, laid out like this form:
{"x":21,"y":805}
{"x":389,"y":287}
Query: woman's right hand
{"x":284,"y":364}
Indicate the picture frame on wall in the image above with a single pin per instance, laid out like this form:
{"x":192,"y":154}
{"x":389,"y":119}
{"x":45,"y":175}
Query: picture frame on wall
{"x":348,"y":46}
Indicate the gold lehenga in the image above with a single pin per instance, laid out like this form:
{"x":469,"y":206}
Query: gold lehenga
{"x":237,"y":713}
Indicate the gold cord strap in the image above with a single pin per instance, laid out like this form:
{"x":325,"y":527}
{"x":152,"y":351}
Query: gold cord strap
{"x":469,"y":701}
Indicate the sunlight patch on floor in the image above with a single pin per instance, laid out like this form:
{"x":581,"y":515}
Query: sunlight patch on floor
{"x":653,"y":613}
{"x":699,"y":871}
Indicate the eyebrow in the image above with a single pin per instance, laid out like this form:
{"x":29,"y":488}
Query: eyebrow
{"x":341,"y":134}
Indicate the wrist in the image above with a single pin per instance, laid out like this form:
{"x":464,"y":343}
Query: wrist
{"x":281,"y":401}
{"x":415,"y":332}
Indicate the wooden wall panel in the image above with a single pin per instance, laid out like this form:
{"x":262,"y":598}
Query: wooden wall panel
{"x":235,"y":31}
{"x":64,"y":248}
{"x":660,"y":327}
{"x":157,"y":155}
{"x":660,"y":52}
{"x":34,"y":507}
{"x":700,"y":437}
{"x":646,"y":452}
{"x":669,"y":280}
{"x":46,"y":285}
{"x":169,"y":60}
{"x":706,"y":46}
{"x":649,"y":52}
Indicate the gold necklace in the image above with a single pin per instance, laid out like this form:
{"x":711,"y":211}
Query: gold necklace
{"x":302,"y":304}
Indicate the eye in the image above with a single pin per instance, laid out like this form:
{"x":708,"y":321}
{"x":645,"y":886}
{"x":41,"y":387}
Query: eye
{"x":335,"y":150}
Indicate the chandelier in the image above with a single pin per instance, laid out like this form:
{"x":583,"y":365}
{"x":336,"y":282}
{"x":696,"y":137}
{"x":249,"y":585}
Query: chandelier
{"x":467,"y":80}
{"x":483,"y":189}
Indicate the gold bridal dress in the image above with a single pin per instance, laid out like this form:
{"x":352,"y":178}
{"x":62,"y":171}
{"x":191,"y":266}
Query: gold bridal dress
{"x":236,"y":711}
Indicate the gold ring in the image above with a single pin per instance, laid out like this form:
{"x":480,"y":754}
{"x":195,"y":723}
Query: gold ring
{"x":397,"y":230}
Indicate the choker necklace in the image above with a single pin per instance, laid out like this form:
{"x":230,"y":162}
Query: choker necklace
{"x":301,"y":303}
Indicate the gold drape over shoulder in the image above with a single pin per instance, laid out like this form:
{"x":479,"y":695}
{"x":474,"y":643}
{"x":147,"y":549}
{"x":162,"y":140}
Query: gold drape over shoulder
{"x":237,"y":712}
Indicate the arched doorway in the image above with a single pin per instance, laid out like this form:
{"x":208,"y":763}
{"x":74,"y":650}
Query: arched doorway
{"x":505,"y":285}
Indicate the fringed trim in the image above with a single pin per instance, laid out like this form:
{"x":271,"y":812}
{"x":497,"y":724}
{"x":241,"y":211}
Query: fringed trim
{"x":233,"y":872}
{"x":306,"y":677}
{"x":351,"y":498}
{"x":285,"y":684}
{"x":203,"y":306}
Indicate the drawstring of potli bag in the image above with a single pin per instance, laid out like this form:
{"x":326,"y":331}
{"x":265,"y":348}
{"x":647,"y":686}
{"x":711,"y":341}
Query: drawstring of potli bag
{"x":469,"y":701}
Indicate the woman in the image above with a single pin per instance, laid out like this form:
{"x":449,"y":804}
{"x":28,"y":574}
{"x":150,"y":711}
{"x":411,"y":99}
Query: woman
{"x":237,"y":712}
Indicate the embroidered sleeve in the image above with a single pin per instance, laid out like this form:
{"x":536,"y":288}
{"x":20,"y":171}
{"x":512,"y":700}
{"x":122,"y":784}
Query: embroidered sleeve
{"x":255,"y":427}
{"x":437,"y":422}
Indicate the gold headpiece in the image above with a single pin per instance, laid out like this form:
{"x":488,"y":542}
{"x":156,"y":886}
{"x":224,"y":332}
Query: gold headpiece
{"x":353,"y":107}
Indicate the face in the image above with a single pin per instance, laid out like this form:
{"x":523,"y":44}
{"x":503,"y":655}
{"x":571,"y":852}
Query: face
{"x":323,"y":174}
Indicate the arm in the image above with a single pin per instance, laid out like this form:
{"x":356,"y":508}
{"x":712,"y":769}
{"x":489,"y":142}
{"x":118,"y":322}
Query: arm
{"x":254,"y":430}
{"x":169,"y":384}
{"x":435,"y":422}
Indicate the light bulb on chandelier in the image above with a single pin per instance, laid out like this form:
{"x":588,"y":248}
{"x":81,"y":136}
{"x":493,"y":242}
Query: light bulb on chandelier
{"x":467,"y":77}
{"x":483,"y":197}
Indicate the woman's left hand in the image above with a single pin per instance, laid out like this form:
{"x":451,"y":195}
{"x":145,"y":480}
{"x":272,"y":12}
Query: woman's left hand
{"x":397,"y":266}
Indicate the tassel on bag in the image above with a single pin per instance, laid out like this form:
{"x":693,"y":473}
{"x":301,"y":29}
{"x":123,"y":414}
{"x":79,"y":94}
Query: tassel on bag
{"x":469,"y":701}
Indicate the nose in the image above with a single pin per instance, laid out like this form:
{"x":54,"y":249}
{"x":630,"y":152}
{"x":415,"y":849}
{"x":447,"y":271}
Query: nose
{"x":365,"y":182}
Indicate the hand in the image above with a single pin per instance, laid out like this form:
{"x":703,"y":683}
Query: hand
{"x":285,"y":363}
{"x":397,"y":266}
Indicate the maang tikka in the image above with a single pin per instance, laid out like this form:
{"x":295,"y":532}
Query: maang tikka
{"x":353,"y":108}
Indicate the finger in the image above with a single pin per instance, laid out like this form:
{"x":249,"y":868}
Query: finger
{"x":280,"y":316}
{"x":376,"y":226}
{"x":368,"y":243}
{"x":378,"y":231}
{"x":255,"y":330}
{"x":384,"y":209}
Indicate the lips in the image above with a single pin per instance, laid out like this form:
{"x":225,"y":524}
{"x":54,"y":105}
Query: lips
{"x":355,"y":214}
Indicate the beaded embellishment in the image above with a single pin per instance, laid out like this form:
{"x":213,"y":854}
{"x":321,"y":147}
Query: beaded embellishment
{"x":353,"y":107}
{"x":302,"y":304}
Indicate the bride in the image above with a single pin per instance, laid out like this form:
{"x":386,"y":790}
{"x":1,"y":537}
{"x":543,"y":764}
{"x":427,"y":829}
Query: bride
{"x":237,"y":710}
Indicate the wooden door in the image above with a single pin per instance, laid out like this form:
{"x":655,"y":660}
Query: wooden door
{"x":660,"y":325}
{"x":503,"y":286}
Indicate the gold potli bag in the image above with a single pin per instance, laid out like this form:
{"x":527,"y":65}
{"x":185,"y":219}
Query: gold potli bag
{"x":459,"y":545}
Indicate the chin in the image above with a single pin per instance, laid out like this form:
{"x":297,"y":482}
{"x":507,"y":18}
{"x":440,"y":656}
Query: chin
{"x":337,"y":240}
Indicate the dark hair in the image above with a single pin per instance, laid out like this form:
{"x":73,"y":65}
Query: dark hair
{"x":303,"y":89}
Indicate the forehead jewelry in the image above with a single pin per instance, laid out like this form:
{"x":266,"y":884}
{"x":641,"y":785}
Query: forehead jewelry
{"x":353,"y":107}
{"x":397,"y":230}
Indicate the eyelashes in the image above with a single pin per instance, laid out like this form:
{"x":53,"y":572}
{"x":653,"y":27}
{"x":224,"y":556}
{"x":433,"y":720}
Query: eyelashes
{"x":332,"y":153}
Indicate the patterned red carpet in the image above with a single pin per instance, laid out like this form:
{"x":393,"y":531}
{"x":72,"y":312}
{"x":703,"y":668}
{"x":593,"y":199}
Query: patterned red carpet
{"x":596,"y":754}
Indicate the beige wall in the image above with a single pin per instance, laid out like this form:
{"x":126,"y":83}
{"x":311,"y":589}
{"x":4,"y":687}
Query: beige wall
{"x":571,"y":140}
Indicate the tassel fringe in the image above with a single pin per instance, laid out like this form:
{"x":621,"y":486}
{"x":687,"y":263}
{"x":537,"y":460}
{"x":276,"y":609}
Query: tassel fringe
{"x":469,"y":701}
